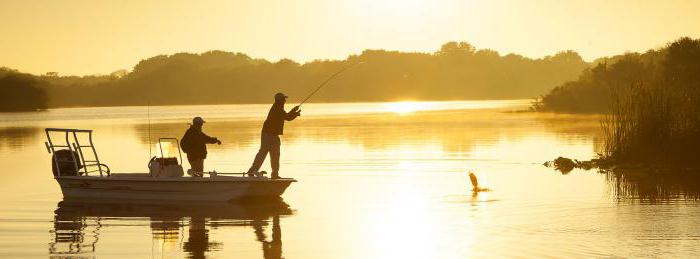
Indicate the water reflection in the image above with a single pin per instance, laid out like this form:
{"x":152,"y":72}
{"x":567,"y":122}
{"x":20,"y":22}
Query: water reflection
{"x":71,"y":235}
{"x":78,"y":225}
{"x":650,"y":186}
{"x":273,"y":247}
{"x":443,"y":129}
{"x":387,"y":174}
{"x":15,"y":138}
{"x":640,"y":184}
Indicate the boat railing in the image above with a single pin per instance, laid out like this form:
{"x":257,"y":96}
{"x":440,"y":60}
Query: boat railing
{"x":72,"y":144}
{"x":177,"y":144}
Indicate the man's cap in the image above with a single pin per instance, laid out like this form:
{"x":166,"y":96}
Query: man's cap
{"x":198,"y":120}
{"x":280,"y":96}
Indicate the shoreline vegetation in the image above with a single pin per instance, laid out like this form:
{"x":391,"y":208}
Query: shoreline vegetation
{"x":457,"y":71}
{"x":22,"y":92}
{"x":602,"y":85}
{"x":651,"y":103}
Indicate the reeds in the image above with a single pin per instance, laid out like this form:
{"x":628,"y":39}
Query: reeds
{"x":653,"y":124}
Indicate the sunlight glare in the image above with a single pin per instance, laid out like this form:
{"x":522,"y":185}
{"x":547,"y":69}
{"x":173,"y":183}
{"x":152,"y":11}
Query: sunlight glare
{"x":406,"y":107}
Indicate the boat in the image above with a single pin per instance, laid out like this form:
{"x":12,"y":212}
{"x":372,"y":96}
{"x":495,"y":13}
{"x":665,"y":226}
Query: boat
{"x":81,"y":175}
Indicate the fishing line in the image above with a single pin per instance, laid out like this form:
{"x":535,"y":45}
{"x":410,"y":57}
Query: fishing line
{"x":328,"y":80}
{"x":150,"y":151}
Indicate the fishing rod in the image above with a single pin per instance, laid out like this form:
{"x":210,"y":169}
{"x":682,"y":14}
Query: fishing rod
{"x":150,"y":152}
{"x":328,"y":80}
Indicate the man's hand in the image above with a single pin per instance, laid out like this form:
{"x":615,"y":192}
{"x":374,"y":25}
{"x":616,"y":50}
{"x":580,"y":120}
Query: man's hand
{"x":218,"y":142}
{"x":295,"y":109}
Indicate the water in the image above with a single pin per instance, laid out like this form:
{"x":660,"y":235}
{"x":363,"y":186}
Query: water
{"x":376,"y":180}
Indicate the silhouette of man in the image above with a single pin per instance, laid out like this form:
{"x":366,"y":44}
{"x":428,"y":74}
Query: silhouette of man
{"x":194,"y":145}
{"x":269,"y":139}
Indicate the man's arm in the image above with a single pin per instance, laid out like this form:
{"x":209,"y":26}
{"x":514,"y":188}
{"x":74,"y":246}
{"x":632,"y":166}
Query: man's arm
{"x":293,"y":114}
{"x":210,"y":140}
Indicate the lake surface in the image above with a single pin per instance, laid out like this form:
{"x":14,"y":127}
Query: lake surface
{"x":376,"y":180}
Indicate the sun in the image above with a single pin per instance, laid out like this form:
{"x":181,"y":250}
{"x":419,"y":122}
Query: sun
{"x":405,"y":107}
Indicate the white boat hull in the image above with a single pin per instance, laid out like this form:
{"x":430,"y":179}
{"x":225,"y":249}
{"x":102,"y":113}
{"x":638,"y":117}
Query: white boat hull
{"x":220,"y":188}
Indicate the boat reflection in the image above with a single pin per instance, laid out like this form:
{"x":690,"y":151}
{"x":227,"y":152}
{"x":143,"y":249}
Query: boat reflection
{"x":78,"y":224}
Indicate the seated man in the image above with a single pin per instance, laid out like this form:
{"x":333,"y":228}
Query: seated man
{"x":194,"y":145}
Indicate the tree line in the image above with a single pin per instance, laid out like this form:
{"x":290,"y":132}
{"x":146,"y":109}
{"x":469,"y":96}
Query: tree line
{"x":457,"y":71}
{"x":675,"y":67}
{"x":21,"y":92}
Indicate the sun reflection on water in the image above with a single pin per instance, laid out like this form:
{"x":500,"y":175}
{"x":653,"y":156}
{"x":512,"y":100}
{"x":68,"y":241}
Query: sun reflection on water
{"x":405,"y":107}
{"x":404,"y":223}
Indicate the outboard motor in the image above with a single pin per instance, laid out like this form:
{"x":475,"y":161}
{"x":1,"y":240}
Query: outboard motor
{"x":66,"y":160}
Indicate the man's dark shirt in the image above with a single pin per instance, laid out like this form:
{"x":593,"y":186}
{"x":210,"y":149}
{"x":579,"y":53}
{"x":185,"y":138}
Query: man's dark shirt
{"x":274,"y":124}
{"x":194,"y":143}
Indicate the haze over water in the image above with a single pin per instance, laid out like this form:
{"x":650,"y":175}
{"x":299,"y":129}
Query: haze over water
{"x":376,"y":180}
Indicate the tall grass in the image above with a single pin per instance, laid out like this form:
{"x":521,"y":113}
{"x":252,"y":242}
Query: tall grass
{"x":653,"y":124}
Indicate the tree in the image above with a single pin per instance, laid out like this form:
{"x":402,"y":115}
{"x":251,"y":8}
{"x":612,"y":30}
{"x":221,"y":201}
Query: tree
{"x":21,"y":92}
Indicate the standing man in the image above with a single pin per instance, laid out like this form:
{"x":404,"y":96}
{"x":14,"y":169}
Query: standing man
{"x":194,"y":144}
{"x":270,"y":139}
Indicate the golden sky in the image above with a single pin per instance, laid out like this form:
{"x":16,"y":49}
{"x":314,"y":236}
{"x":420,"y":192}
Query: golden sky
{"x":90,"y":37}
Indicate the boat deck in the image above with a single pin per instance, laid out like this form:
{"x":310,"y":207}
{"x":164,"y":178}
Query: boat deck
{"x":147,"y":177}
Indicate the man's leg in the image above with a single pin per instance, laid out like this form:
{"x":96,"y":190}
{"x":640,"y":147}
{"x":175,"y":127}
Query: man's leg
{"x":200,"y":165}
{"x":262,"y":153}
{"x":197,"y":166}
{"x":275,"y":156}
{"x":191,"y":161}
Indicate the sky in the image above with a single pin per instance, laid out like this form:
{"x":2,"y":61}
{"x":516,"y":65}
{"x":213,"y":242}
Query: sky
{"x":75,"y":37}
